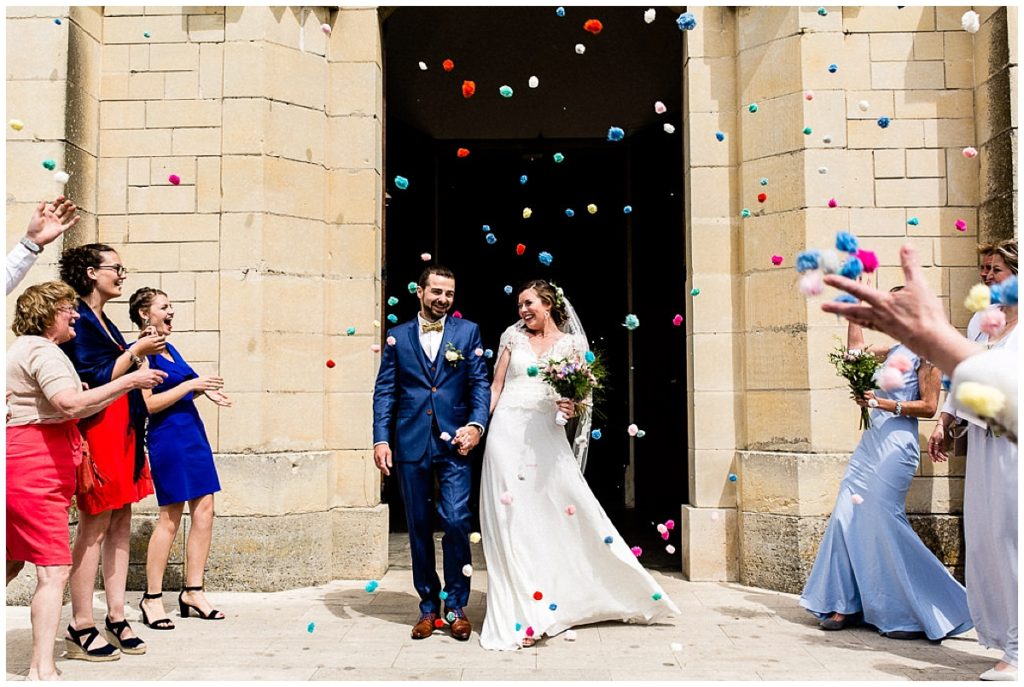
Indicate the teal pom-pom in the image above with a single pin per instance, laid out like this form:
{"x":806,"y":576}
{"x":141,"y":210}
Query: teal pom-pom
{"x":532,"y":371}
{"x":350,"y":331}
{"x":442,"y":595}
{"x":558,"y":157}
{"x":392,"y":302}
{"x":589,"y":356}
{"x":411,"y":286}
{"x":401,"y":182}
{"x":393,"y":318}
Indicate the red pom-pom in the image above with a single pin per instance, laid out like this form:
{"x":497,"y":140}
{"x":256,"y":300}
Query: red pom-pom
{"x":520,"y":249}
{"x":462,"y":152}
{"x":438,"y":623}
{"x":468,"y":89}
{"x":761,"y":197}
{"x":594,"y":26}
{"x":538,"y":596}
{"x":448,"y":65}
{"x":330,"y":363}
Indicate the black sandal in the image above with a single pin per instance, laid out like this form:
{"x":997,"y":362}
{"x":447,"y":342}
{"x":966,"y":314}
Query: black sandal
{"x":76,"y":648}
{"x":131,"y":645}
{"x":162,"y":623}
{"x":185,"y":609}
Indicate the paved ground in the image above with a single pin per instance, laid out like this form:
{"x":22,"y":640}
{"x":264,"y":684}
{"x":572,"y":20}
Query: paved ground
{"x":726,"y":632}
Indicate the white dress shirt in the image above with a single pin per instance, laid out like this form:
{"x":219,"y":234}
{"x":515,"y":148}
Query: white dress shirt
{"x":19,"y":260}
{"x":430,"y":341}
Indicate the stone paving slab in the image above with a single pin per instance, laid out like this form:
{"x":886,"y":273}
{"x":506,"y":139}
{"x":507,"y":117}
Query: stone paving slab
{"x":726,"y":632}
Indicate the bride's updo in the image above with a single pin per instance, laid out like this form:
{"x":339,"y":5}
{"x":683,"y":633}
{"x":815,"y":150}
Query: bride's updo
{"x":549,"y":296}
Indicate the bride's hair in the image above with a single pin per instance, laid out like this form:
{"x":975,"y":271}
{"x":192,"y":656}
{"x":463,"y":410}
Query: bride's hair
{"x":549,"y":295}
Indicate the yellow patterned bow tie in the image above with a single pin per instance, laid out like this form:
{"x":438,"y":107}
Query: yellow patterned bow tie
{"x":432,"y":327}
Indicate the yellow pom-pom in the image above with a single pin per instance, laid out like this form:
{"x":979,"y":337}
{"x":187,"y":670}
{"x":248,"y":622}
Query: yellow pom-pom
{"x":980,"y":399}
{"x":978,"y":298}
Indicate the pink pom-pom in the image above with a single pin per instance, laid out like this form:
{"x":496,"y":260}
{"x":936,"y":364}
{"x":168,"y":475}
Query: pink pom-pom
{"x":857,"y":499}
{"x":632,"y":430}
{"x":670,"y":524}
{"x":391,"y":341}
{"x":993,"y":321}
{"x":326,"y":28}
{"x":677,"y":320}
{"x":970,"y":152}
{"x":636,"y":551}
{"x":890,"y":379}
{"x":659,"y":107}
{"x":457,"y":314}
{"x":529,"y":631}
{"x":570,"y":509}
{"x":670,"y":549}
{"x":662,"y":529}
{"x":776,"y":260}
{"x":375,"y":348}
{"x":832,"y":203}
{"x":174,"y":179}
{"x":478,"y":352}
{"x":665,"y":535}
{"x":868,"y":259}
{"x":811,"y":284}
{"x":901,"y":363}
{"x":425,"y":257}
{"x":961,"y":225}
{"x":506,"y":498}
{"x":809,"y":95}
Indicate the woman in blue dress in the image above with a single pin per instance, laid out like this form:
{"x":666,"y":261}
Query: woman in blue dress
{"x":872,"y":567}
{"x":181,"y":461}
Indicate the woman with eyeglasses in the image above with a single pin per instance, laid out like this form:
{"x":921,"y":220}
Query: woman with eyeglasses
{"x":113,"y":474}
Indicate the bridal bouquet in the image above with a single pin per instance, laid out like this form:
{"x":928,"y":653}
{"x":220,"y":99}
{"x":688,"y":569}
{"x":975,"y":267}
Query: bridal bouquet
{"x":575,"y":377}
{"x":859,"y":369}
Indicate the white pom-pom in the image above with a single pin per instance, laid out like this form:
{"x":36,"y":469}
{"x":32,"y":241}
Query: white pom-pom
{"x":561,"y":420}
{"x":326,"y":28}
{"x":61,"y":177}
{"x":570,"y":635}
{"x":649,"y":16}
{"x":534,"y":82}
{"x":659,"y":107}
{"x":669,"y":129}
{"x":423,"y":66}
{"x":826,"y":139}
{"x":970,"y":22}
{"x":445,"y":436}
{"x":823,"y":170}
{"x":474,"y":537}
{"x":863,"y":105}
{"x":425,"y":257}
{"x":580,"y":48}
{"x":467,"y":570}
{"x":671,"y":549}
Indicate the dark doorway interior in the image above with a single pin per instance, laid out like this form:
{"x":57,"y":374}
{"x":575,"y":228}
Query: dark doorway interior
{"x":609,"y":263}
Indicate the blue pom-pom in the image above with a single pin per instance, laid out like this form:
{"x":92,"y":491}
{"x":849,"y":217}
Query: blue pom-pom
{"x":733,"y":477}
{"x":561,"y":13}
{"x":522,"y":180}
{"x":720,"y":135}
{"x":883,"y":122}
{"x":1004,"y":293}
{"x":846,"y":242}
{"x":609,"y":539}
{"x":488,"y":354}
{"x":491,"y":239}
{"x":852,"y":268}
{"x":615,"y":134}
{"x":508,"y":289}
{"x":57,"y":21}
{"x":486,"y":228}
{"x":393,"y":318}
{"x":946,"y":383}
{"x":595,"y":434}
{"x":844,"y":298}
{"x":545,"y":258}
{"x":553,"y":607}
{"x":686,"y":21}
{"x":807,"y":260}
{"x":569,"y":212}
{"x":401,"y":182}
{"x":913,"y":221}
{"x":589,"y":357}
{"x":628,"y":209}
{"x":833,"y":68}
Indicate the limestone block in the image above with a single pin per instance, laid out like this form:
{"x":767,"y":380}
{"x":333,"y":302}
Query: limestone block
{"x":353,"y":479}
{"x":240,"y":139}
{"x":954,"y":467}
{"x":789,"y":483}
{"x":183,"y":113}
{"x":138,"y":171}
{"x":181,"y":85}
{"x":114,"y":11}
{"x":852,"y":56}
{"x":991,"y":48}
{"x":901,"y":133}
{"x":994,"y":105}
{"x":927,"y":162}
{"x":180,"y":287}
{"x":112,"y":194}
{"x":244,"y":68}
{"x":936,"y":495}
{"x":351,"y":302}
{"x":709,"y":472}
{"x":768,"y":428}
{"x":352,"y":250}
{"x":211,"y":70}
{"x":958,"y":74}
{"x":207,"y":301}
{"x":160,"y":169}
{"x":769,"y":70}
{"x":135,"y":142}
{"x":774,"y":134}
{"x":355,"y":88}
{"x":269,"y":241}
{"x":908,"y":192}
{"x":958,"y":45}
{"x":356,"y":36}
{"x":786,"y":190}
{"x":933,"y":104}
{"x":881,"y":103}
{"x":112,"y":229}
{"x":760,"y":25}
{"x":709,"y":84}
{"x":242,"y":183}
{"x":715,"y":33}
{"x":778,"y":551}
{"x":713,"y":309}
{"x":206,"y":28}
{"x":144,"y":517}
{"x":890,"y":163}
{"x":208,"y":184}
{"x":296,"y":133}
{"x":47,"y":60}
{"x":962,"y":178}
{"x":130,"y":29}
{"x":150,"y":257}
{"x":956,"y":251}
{"x":272,"y":422}
{"x":893,"y":46}
{"x":939,"y":221}
{"x":85,"y":58}
{"x":849,"y":177}
{"x":776,"y":357}
{"x":908,"y":75}
{"x":356,"y":368}
{"x":948,"y":18}
{"x":286,"y":303}
{"x":821,"y":375}
{"x":114,"y":86}
{"x":261,"y":554}
{"x":204,"y":141}
{"x":354,"y":197}
{"x":295,"y":77}
{"x":146,"y":85}
{"x":174,"y":57}
{"x":710,"y":544}
{"x":294,"y":188}
{"x":124,"y":114}
{"x":717,"y":420}
{"x":349,"y":420}
{"x":713,"y":204}
{"x":354,"y":143}
{"x":274,"y":361}
{"x":41,"y":105}
{"x":154,"y":199}
{"x":820,"y":225}
{"x":948,"y":133}
{"x":888,"y":19}
{"x":294,"y":27}
{"x":928,"y":46}
{"x":138,"y":58}
{"x":172,"y":228}
{"x":360,"y":542}
{"x":834,"y":419}
{"x":90,"y":19}
{"x":712,"y":246}
{"x":811,"y":21}
{"x":717,"y":361}
{"x":272,"y":483}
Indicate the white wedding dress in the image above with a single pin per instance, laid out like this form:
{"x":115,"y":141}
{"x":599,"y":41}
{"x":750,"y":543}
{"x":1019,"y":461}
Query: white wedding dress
{"x":533,"y":544}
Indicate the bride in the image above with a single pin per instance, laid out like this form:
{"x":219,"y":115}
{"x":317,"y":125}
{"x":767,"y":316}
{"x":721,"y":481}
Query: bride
{"x":554,"y":559}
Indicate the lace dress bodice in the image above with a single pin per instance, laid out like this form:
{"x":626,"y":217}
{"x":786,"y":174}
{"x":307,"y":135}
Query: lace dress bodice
{"x":521,"y":390}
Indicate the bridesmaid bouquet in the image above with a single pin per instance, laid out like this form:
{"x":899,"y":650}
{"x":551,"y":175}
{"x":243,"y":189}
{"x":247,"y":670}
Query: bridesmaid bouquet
{"x":575,"y":377}
{"x":858,"y":368}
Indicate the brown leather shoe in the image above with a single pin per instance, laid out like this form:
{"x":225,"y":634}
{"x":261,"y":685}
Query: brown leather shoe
{"x":460,"y":626}
{"x":424,"y":627}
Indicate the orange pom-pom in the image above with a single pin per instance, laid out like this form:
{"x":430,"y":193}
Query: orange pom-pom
{"x":462,"y":152}
{"x":468,"y":89}
{"x":448,"y":65}
{"x":594,"y":26}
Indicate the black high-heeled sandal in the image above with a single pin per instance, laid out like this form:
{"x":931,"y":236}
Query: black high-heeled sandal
{"x":76,"y":648}
{"x":131,"y":645}
{"x":160,"y":624}
{"x":185,"y":609}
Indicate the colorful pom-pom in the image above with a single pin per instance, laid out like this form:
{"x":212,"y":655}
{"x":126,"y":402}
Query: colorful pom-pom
{"x":425,"y":257}
{"x":462,"y":152}
{"x":147,"y":34}
{"x":811,"y":284}
{"x":761,"y":197}
{"x":478,"y":352}
{"x":833,"y":68}
{"x":520,"y":248}
{"x":632,"y":430}
{"x":668,"y":128}
{"x":457,"y":315}
{"x":808,"y":95}
{"x":589,"y":357}
{"x":326,"y":28}
{"x":901,"y":363}
{"x":392,"y":301}
{"x":662,"y":529}
{"x":439,"y":622}
{"x":61,"y":177}
{"x":763,"y":181}
{"x":640,"y":434}
{"x":659,"y":107}
{"x":560,"y":11}
{"x":450,"y":617}
{"x":822,"y":12}
{"x":808,"y":131}
{"x":174,"y":179}
{"x":615,"y":133}
{"x":16,"y":124}
{"x":852,"y":268}
{"x":371,"y":586}
{"x":533,"y":82}
{"x":529,"y":631}
{"x":532,"y":371}
{"x":423,"y":66}
{"x":57,"y":21}
{"x":310,"y":628}
{"x":890,"y":379}
{"x":392,"y":318}
{"x":595,"y":434}
{"x":656,"y":596}
{"x":833,"y":203}
{"x":978,"y":298}
{"x":1005,"y":292}
{"x":695,"y":291}
{"x":506,"y":91}
{"x":970,"y":152}
{"x":508,"y":289}
{"x":375,"y":348}
{"x":670,"y":524}
{"x":913,"y":221}
{"x":537,"y":596}
{"x":580,"y":48}
{"x":961,"y":225}
{"x":776,"y":260}
{"x":883,"y":122}
{"x":350,"y":331}
{"x":570,"y":509}
{"x":981,"y":399}
{"x":631,"y":322}
{"x":677,"y":320}
{"x":523,"y":179}
{"x":491,"y":239}
{"x":593,"y":26}
{"x":467,"y":570}
{"x":592,"y":209}
{"x":752,"y":107}
{"x":649,"y":15}
{"x":50,"y":164}
{"x":401,"y":182}
{"x":468,"y":89}
{"x":733,"y":477}
{"x":868,"y":259}
{"x":807,"y":260}
{"x":330,"y":363}
{"x":527,"y":213}
{"x":412,"y":286}
{"x":686,"y":21}
{"x":846,"y":242}
{"x":720,"y":135}
{"x":553,"y":607}
{"x":545,"y":258}
{"x":845,"y":298}
{"x":448,"y":65}
{"x":474,"y":538}
{"x":488,"y":353}
{"x":391,"y":341}
{"x":745,"y":213}
{"x":857,"y":499}
{"x":557,"y":157}
{"x":609,"y":539}
{"x":376,"y":324}
{"x":636,"y":550}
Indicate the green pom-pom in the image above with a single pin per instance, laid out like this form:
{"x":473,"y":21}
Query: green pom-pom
{"x":412,"y":287}
{"x":50,"y":164}
{"x":656,"y":596}
{"x":350,"y":331}
{"x":807,"y":131}
{"x":532,"y":371}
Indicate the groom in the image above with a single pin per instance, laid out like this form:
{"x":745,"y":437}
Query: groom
{"x":430,"y":406}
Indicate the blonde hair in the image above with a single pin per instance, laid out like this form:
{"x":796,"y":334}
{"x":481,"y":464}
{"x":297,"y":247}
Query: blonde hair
{"x":37,"y":307}
{"x":1007,"y":250}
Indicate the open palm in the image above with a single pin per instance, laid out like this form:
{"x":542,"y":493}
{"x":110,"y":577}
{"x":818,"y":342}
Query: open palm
{"x":50,"y":220}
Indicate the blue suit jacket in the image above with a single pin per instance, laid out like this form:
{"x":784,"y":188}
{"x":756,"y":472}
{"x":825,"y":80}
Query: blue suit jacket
{"x":411,"y":392}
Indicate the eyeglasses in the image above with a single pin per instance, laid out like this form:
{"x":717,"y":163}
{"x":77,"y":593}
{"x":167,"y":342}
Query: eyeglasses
{"x":120,"y":269}
{"x":68,"y":308}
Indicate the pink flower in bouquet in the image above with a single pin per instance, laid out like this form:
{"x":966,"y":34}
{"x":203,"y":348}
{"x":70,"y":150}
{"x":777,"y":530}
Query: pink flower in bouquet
{"x":993,"y":321}
{"x":901,"y":363}
{"x":890,"y":379}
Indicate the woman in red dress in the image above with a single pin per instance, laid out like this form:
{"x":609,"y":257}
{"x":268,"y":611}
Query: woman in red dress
{"x":43,"y":447}
{"x":114,"y":474}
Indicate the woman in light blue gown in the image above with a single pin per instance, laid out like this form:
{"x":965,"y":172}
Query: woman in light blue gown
{"x":872,"y":567}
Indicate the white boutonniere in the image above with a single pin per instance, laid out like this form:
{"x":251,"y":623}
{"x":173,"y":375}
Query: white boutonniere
{"x":453,"y":355}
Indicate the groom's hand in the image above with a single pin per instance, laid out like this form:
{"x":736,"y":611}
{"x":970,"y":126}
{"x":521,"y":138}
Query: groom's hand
{"x":466,"y":438}
{"x":382,"y":457}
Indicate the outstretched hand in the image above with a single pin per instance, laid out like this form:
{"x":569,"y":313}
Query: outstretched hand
{"x":50,"y":220}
